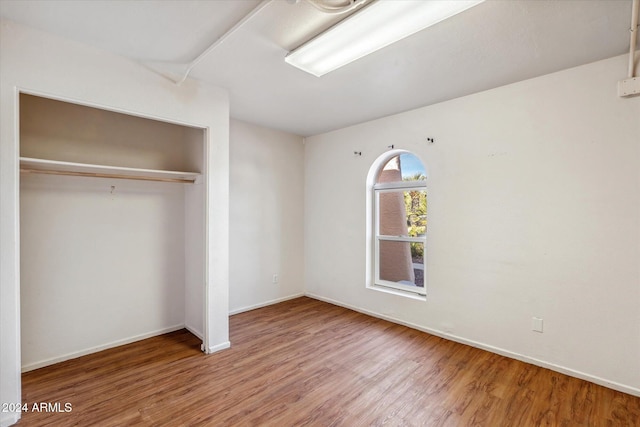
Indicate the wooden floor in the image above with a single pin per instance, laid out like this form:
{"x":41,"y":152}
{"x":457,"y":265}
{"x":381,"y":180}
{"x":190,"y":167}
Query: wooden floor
{"x":305,"y":362}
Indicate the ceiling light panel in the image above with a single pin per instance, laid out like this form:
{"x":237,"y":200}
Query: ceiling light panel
{"x":379,"y":24}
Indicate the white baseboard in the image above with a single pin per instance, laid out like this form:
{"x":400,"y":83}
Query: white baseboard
{"x":9,"y":419}
{"x":264,"y":304}
{"x":84,"y":352}
{"x":194,"y":332}
{"x":218,"y":347}
{"x":523,"y":358}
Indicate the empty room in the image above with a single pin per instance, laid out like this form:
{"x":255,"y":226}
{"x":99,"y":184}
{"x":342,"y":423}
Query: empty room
{"x":319,"y":212}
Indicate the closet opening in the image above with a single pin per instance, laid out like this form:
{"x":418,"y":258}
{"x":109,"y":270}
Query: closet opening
{"x":112,"y":229}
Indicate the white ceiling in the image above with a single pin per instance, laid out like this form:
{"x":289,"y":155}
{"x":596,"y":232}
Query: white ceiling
{"x":495,"y":43}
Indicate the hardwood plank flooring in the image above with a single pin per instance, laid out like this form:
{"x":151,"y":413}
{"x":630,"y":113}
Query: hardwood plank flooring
{"x":306,"y":362}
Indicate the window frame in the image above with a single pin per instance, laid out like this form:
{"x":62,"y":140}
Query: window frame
{"x":373,"y":254}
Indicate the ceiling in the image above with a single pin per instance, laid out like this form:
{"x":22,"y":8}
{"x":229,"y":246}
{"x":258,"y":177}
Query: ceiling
{"x":495,"y":43}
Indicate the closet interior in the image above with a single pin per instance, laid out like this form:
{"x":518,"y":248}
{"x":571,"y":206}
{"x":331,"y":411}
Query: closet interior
{"x":112,"y":229}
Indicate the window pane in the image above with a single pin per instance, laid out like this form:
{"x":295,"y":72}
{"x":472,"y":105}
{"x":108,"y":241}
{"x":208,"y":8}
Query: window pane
{"x":401,"y":262}
{"x":404,"y":167}
{"x":415,"y":202}
{"x":402,"y":213}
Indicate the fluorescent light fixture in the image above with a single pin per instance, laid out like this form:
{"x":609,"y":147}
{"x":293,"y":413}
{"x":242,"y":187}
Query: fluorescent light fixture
{"x":379,"y":24}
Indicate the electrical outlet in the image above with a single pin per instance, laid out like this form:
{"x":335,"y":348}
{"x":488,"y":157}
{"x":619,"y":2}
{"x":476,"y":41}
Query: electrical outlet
{"x":536,"y":324}
{"x":274,"y":280}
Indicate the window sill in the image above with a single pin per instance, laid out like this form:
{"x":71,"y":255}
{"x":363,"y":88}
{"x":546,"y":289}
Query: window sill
{"x":398,"y":292}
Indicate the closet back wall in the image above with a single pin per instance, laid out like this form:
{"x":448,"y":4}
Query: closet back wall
{"x":102,"y":260}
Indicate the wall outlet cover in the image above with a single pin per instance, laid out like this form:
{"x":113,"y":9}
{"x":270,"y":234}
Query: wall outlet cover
{"x":536,"y":324}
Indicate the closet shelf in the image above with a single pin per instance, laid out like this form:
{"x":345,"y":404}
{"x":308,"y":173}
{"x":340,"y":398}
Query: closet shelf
{"x":55,"y":167}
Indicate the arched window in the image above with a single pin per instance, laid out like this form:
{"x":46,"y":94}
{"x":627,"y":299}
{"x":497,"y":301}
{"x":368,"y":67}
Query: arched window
{"x":398,"y":223}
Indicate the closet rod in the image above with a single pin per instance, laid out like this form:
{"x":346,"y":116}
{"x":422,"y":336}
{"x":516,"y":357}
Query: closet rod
{"x":106,"y":175}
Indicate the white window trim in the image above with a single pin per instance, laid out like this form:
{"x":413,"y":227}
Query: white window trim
{"x":400,"y":185}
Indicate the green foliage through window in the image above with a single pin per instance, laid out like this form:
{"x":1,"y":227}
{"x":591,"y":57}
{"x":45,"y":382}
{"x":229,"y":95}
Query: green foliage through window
{"x":415,"y":202}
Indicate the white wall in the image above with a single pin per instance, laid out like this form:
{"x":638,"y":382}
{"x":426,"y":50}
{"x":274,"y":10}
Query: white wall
{"x":267,"y":209}
{"x":49,"y":65}
{"x":534,"y":210}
